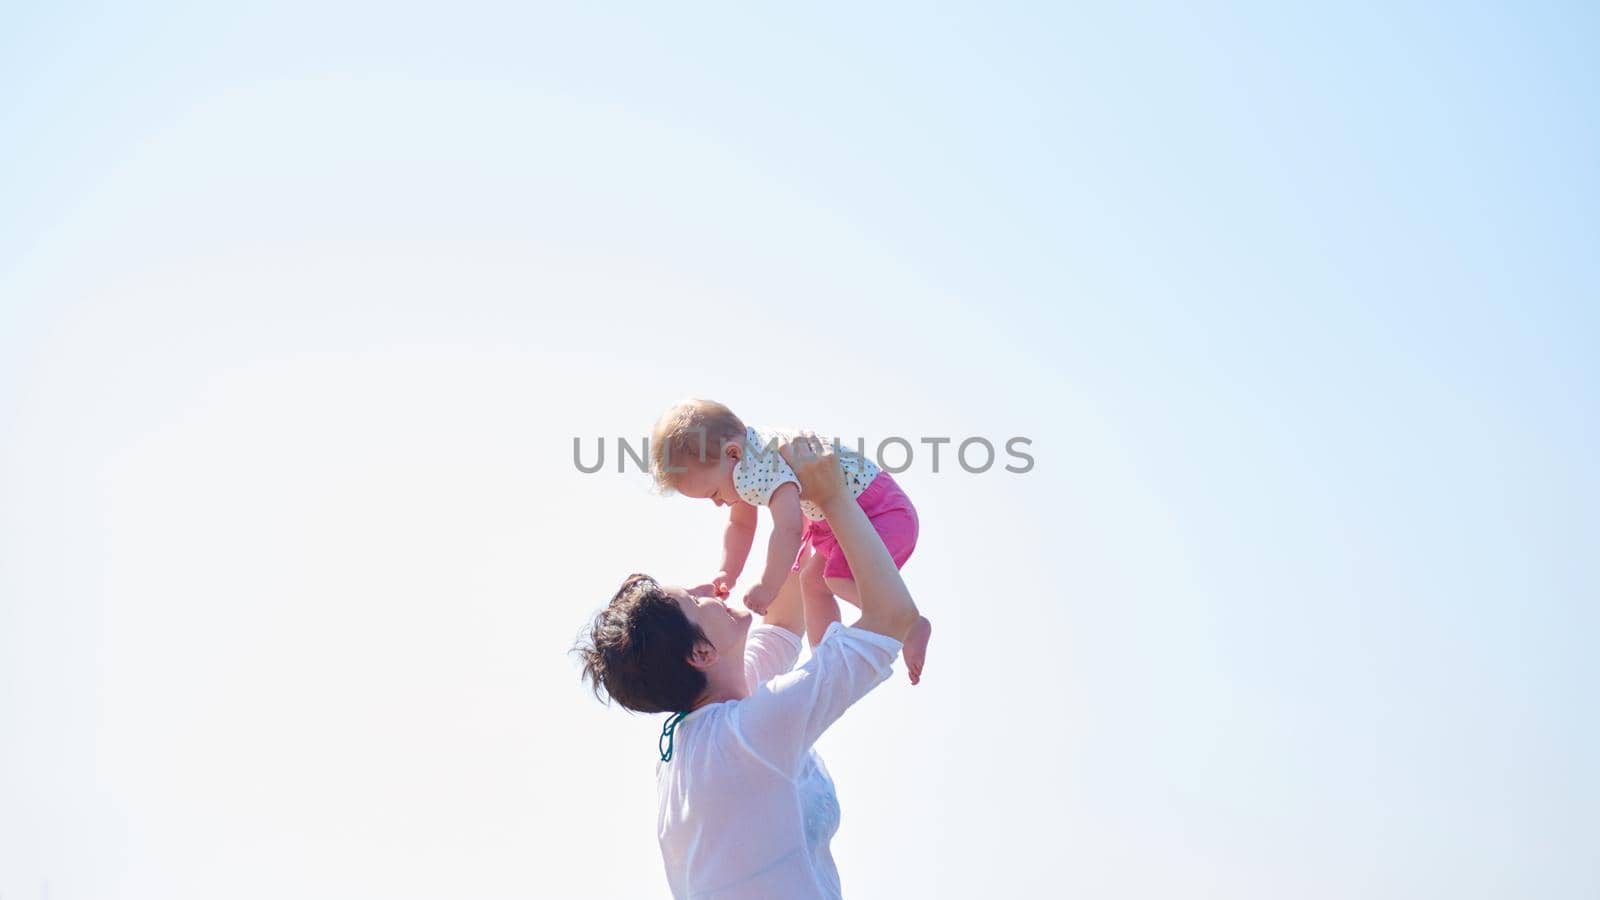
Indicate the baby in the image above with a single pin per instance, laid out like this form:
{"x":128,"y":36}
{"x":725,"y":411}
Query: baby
{"x":700,"y":449}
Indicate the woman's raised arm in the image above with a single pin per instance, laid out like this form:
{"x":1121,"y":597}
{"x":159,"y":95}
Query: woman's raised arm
{"x":886,"y":605}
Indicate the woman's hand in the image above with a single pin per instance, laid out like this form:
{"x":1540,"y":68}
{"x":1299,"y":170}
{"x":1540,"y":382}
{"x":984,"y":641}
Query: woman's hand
{"x":817,"y":466}
{"x":886,"y":605}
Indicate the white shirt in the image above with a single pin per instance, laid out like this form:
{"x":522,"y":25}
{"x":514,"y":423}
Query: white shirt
{"x":746,"y":807}
{"x":760,"y":471}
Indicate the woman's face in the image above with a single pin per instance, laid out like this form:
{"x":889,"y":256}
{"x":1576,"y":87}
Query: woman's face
{"x":725,"y":627}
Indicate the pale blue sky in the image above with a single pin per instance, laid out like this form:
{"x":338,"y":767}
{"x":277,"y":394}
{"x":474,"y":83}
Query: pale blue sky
{"x":302,"y":305}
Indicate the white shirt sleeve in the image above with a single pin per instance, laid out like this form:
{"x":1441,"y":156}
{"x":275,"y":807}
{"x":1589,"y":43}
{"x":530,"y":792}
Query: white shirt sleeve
{"x":769,"y":651}
{"x":761,"y":471}
{"x":782,"y":718}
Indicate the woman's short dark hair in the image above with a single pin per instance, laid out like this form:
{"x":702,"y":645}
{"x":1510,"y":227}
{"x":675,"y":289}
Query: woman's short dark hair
{"x":637,"y":651}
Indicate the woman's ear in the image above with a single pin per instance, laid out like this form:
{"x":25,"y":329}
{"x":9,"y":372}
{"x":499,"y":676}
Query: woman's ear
{"x":703,"y":656}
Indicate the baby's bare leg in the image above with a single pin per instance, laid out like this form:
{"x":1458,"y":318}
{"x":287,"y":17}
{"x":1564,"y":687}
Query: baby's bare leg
{"x":821,"y":609}
{"x":915,"y":646}
{"x":844,"y":588}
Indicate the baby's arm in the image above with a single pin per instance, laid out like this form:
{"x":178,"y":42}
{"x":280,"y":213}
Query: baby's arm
{"x":788,"y":529}
{"x":736,"y":541}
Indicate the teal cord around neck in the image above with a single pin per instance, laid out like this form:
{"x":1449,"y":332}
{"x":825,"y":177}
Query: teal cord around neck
{"x":664,"y":744}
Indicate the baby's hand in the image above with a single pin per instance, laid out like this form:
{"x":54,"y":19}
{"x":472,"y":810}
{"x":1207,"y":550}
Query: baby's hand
{"x":759,"y":598}
{"x":719,"y":586}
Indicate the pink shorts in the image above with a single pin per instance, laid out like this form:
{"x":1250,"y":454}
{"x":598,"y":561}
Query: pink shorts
{"x":892,"y":516}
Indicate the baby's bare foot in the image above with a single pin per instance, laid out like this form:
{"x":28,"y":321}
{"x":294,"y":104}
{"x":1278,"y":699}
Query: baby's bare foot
{"x":915,"y":648}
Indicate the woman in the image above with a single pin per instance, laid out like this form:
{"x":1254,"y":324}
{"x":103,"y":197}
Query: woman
{"x":746,"y":807}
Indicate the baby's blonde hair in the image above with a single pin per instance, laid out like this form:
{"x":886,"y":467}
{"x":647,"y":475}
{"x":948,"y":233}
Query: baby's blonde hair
{"x":690,"y":433}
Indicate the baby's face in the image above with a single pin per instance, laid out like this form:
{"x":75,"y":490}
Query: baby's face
{"x":712,"y":481}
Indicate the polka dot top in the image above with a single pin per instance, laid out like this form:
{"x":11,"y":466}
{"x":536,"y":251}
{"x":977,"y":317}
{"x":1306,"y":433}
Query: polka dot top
{"x":761,"y":470}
